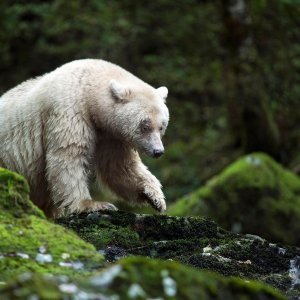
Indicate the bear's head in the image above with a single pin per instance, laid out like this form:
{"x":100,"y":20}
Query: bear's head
{"x":141,"y":115}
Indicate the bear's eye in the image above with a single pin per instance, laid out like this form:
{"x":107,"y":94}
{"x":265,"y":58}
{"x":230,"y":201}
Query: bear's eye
{"x":145,"y":126}
{"x":161,"y":128}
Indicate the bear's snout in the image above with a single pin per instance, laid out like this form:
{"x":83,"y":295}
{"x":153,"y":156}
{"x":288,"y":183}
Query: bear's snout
{"x":158,"y":152}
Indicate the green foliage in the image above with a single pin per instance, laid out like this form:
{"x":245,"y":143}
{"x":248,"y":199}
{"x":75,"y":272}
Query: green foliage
{"x":39,"y":36}
{"x":178,"y":44}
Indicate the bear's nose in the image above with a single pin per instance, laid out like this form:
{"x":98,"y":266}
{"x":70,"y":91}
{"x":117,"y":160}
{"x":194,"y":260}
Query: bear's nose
{"x":157,"y":153}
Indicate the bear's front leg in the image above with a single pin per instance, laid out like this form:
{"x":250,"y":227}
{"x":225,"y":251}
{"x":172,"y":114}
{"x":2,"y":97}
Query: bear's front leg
{"x":122,"y":170}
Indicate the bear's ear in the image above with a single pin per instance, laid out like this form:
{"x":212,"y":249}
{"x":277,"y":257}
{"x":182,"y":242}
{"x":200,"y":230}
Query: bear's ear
{"x":163,"y":92}
{"x":119,"y":91}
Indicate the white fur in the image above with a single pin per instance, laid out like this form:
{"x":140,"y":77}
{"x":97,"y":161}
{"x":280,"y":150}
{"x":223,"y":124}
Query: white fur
{"x":59,"y":128}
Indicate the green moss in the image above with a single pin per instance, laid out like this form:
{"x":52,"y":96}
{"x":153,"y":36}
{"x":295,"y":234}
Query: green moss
{"x":188,"y":283}
{"x":253,"y":195}
{"x":128,"y":231}
{"x":29,"y":286}
{"x":14,"y":195}
{"x":104,"y":237}
{"x":25,"y":233}
{"x":141,"y":278}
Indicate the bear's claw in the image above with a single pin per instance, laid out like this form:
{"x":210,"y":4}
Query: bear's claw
{"x":103,"y":206}
{"x":157,"y":204}
{"x":107,"y":206}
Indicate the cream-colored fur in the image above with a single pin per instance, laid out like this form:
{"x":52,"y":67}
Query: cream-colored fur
{"x":88,"y":116}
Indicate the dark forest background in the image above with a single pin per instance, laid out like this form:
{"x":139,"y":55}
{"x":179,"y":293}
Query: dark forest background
{"x":232,"y":69}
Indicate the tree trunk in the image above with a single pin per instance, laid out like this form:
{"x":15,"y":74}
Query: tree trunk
{"x":251,"y":121}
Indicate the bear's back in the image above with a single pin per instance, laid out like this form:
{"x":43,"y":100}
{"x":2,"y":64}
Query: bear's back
{"x":96,"y":72}
{"x":20,"y":91}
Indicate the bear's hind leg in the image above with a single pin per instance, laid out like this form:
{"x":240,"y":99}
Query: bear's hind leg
{"x":69,"y":188}
{"x":91,"y":205}
{"x":68,"y":164}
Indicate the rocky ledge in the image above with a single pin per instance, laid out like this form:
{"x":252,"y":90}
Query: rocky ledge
{"x":193,"y":241}
{"x":121,"y":255}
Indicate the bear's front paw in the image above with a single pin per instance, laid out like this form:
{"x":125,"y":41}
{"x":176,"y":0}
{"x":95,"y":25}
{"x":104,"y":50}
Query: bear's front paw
{"x":155,"y":198}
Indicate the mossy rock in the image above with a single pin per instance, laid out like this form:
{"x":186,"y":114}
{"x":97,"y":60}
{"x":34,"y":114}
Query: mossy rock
{"x":26,"y":237}
{"x":14,"y":196}
{"x":28,"y":242}
{"x":190,"y":240}
{"x":140,"y":278}
{"x":253,"y":195}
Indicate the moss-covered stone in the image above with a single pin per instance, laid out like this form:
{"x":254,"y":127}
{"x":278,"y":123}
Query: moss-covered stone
{"x":28,"y":242}
{"x":253,"y":195}
{"x":32,"y":286}
{"x":140,"y":278}
{"x":191,"y":240}
{"x":14,"y":195}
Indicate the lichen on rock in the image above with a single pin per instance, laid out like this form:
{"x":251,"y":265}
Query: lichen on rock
{"x":253,"y":195}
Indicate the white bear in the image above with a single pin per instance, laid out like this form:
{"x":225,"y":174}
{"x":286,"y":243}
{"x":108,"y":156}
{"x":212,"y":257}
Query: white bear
{"x":88,"y":116}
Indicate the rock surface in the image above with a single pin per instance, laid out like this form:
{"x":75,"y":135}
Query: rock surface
{"x":193,"y":241}
{"x":253,"y":195}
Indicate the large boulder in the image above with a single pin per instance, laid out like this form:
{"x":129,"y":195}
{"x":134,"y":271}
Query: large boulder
{"x":28,"y":242}
{"x":139,"y":278}
{"x":254,"y":195}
